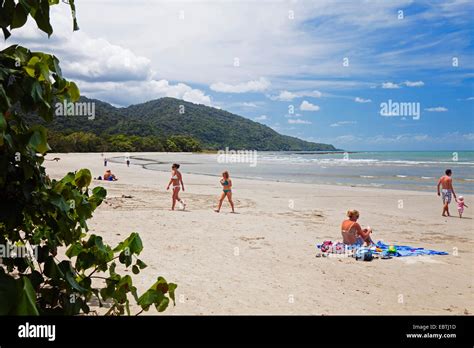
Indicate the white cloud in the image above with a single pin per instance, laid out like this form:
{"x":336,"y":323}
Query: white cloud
{"x":259,"y":85}
{"x":314,"y":94}
{"x":414,"y":83}
{"x":362,"y":100}
{"x":437,"y":109}
{"x":342,"y":123}
{"x":103,"y":70}
{"x":249,"y":105}
{"x":307,"y":106}
{"x":261,"y":118}
{"x":390,"y":85}
{"x":298,"y":121}
{"x":289,"y":96}
{"x":285,"y":96}
{"x":470,"y":98}
{"x":132,"y":92}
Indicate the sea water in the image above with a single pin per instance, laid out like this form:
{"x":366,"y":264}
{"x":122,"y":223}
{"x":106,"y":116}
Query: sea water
{"x":394,"y":170}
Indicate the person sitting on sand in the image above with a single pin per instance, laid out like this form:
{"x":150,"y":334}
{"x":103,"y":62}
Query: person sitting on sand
{"x":109,"y":176}
{"x":227,"y":191}
{"x":351,"y":231}
{"x":176,"y":180}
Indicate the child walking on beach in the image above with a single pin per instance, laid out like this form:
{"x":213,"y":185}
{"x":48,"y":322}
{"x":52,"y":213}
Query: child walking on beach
{"x":461,"y":205}
{"x":227,"y":191}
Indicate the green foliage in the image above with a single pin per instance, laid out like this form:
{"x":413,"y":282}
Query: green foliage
{"x":184,"y":143}
{"x":89,"y":142}
{"x":46,"y":215}
{"x":212,"y":128}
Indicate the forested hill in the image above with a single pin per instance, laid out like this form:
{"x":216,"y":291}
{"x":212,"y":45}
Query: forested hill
{"x":165,"y":117}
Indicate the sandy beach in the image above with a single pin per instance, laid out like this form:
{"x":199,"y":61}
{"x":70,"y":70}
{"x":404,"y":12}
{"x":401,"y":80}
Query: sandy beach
{"x":262,"y":260}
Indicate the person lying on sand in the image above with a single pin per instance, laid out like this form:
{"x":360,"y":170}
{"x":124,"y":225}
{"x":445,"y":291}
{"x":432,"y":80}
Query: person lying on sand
{"x":351,"y":231}
{"x":226,"y":191}
{"x":177,"y":181}
{"x":109,"y":176}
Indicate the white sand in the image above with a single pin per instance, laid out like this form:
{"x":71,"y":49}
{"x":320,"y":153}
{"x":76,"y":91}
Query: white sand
{"x":262,"y":260}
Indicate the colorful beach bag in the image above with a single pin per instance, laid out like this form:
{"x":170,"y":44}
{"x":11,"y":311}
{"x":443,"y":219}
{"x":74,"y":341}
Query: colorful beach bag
{"x":327,"y":244}
{"x":364,"y":254}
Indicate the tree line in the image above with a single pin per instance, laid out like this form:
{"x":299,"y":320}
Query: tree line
{"x":90,"y":142}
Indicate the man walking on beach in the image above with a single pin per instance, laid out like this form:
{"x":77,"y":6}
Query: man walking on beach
{"x":446,"y":183}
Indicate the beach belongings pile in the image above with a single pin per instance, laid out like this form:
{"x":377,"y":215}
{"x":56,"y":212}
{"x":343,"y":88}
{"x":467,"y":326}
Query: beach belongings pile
{"x":379,"y":249}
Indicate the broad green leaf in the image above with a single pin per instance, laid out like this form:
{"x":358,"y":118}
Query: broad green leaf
{"x":74,"y":284}
{"x":163,"y":304}
{"x":29,"y":70}
{"x":51,"y":269}
{"x":8,"y":293}
{"x":38,"y":139}
{"x":6,"y":33}
{"x":161,"y":285}
{"x":125,"y":257}
{"x":83,"y":178}
{"x":4,"y":100}
{"x":33,"y":61}
{"x":37,"y":92}
{"x":171,"y":289}
{"x":73,"y":91}
{"x":74,"y":250}
{"x":19,"y":16}
{"x":141,"y":264}
{"x":148,"y":298}
{"x":41,"y":16}
{"x":26,"y":304}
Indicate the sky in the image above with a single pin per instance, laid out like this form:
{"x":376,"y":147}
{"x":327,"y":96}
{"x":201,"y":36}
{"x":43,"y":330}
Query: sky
{"x":322,"y":70}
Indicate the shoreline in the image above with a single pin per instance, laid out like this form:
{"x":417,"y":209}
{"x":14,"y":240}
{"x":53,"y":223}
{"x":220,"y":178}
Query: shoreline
{"x":368,"y":186}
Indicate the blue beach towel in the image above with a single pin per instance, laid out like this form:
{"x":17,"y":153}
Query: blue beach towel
{"x":403,"y":250}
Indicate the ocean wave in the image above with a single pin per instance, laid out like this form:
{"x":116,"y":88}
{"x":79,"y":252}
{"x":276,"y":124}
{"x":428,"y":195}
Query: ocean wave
{"x":355,"y":161}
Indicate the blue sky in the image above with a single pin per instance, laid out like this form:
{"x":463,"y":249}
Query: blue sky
{"x":331,"y":62}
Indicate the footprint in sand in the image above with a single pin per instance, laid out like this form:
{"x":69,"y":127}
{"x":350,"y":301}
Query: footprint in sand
{"x":253,"y":242}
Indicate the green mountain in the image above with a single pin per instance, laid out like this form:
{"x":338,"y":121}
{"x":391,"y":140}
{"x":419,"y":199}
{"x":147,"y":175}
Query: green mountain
{"x":165,"y":117}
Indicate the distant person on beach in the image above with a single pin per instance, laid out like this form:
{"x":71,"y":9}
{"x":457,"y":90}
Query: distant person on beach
{"x":226,"y":191}
{"x":461,"y":206}
{"x":128,"y":162}
{"x":446,"y":183}
{"x":176,"y":180}
{"x":351,"y":231}
{"x":105,"y":162}
{"x":109,"y":176}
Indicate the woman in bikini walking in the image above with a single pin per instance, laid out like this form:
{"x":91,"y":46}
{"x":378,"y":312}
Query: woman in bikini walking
{"x":227,"y":191}
{"x":176,"y":180}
